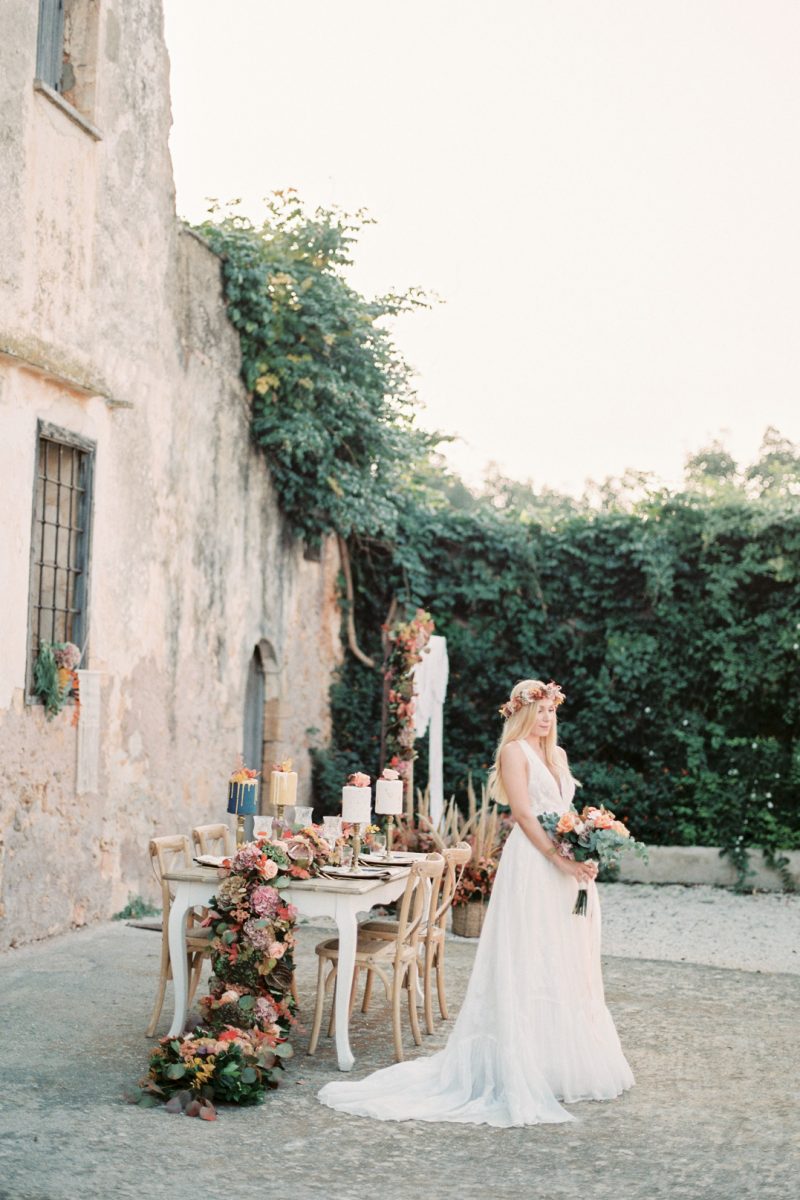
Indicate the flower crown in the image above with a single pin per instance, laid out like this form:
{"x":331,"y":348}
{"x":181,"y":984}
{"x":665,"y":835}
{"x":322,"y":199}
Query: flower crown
{"x":550,"y":691}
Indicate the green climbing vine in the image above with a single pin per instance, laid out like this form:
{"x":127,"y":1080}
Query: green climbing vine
{"x":332,"y":398}
{"x":671,"y":618}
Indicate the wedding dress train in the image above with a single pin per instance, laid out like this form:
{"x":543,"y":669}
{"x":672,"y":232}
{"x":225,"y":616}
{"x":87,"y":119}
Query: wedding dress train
{"x":534,"y":1029}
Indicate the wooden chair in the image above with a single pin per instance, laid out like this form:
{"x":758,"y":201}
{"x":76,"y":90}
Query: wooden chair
{"x":213,"y":839}
{"x":433,"y":934}
{"x":377,"y":954}
{"x":165,"y":853}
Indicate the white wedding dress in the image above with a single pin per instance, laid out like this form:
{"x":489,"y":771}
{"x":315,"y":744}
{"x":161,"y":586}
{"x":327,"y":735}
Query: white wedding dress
{"x":534,"y":1029}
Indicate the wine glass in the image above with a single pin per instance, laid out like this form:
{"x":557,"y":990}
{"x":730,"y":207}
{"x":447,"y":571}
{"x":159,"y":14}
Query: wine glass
{"x":332,"y":831}
{"x":379,"y":845}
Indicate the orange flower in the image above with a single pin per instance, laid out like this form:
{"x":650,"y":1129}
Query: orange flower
{"x":566,"y":823}
{"x":604,"y":820}
{"x":621,"y":829}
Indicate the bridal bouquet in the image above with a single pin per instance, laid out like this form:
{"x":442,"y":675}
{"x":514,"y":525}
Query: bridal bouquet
{"x":593,"y":835}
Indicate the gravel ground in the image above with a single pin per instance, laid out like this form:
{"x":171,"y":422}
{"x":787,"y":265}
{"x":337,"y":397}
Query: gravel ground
{"x":705,"y":925}
{"x":713,"y":1115}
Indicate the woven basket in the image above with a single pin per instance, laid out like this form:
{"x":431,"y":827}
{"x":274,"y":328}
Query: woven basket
{"x":468,"y":918}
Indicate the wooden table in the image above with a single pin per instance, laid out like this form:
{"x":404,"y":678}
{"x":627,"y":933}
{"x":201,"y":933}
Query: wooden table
{"x":342,"y":899}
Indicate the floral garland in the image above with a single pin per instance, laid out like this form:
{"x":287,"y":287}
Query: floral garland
{"x":407,"y":642}
{"x":236,"y":1052}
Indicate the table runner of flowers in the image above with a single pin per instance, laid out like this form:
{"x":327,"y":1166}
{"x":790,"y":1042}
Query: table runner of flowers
{"x":236,"y":1052}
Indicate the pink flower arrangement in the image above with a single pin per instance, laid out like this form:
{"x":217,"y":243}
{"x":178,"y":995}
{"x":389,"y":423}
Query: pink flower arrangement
{"x":259,"y":933}
{"x":358,"y":779}
{"x":67,"y":656}
{"x":265,"y":901}
{"x":247,"y":858}
{"x":594,"y":835}
{"x":265,"y":1011}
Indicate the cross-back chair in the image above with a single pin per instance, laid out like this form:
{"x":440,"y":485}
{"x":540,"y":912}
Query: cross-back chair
{"x":393,"y":959}
{"x":167,"y":853}
{"x":433,"y":935}
{"x":213,"y":839}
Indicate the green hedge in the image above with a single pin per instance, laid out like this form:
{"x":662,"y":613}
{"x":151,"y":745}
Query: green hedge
{"x":673,"y":631}
{"x":672,"y":621}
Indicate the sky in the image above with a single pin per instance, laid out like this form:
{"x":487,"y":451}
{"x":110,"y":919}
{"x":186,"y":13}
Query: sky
{"x":602,"y":193}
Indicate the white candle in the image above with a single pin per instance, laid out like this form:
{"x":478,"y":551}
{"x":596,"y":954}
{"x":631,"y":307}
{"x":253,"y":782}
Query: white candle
{"x":282,"y":788}
{"x":389,"y":796}
{"x":356,"y":804}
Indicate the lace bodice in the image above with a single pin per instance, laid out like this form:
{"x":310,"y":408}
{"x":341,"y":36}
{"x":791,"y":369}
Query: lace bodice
{"x":545,"y":794}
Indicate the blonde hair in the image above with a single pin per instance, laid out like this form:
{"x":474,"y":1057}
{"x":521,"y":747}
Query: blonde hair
{"x":516,"y":728}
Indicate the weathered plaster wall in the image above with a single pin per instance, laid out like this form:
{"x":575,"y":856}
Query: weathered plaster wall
{"x":191,"y":564}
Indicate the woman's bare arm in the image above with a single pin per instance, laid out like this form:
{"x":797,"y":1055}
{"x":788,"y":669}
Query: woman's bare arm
{"x":514,"y":768}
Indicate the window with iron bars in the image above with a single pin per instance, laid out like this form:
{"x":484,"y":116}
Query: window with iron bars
{"x":67,"y":56}
{"x":61,"y":541}
{"x":50,"y":43}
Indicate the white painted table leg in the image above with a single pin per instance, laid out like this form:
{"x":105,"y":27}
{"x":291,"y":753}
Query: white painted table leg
{"x":348,"y":931}
{"x":178,"y":912}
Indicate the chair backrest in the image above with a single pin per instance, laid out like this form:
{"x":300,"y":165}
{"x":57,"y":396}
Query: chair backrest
{"x":166,"y":853}
{"x":413,"y":903}
{"x":213,"y":839}
{"x":455,"y":858}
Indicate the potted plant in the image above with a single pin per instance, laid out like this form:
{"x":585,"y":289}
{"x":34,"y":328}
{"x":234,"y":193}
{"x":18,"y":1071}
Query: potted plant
{"x":471,"y":896}
{"x":485,"y":831}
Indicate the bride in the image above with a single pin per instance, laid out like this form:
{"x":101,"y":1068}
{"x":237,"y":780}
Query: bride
{"x":533,"y":1031}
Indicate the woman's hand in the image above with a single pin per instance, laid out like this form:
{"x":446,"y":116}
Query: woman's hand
{"x":584,"y":872}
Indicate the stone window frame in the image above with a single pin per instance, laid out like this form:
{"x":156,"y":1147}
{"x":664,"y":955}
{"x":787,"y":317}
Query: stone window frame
{"x":79,"y":629}
{"x":66,"y":58}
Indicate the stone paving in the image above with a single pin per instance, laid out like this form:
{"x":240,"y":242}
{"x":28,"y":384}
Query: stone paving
{"x":713,"y":1116}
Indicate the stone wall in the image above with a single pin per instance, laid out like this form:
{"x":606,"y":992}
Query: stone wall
{"x":113,"y":326}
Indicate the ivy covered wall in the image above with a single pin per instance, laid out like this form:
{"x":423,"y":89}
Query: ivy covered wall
{"x":671,"y":620}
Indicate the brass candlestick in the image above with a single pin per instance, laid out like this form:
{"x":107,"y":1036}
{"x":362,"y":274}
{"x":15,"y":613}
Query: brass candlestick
{"x":356,"y":847}
{"x":240,"y":830}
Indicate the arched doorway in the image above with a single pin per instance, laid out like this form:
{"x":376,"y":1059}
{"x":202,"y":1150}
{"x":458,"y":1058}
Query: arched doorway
{"x":261,"y":716}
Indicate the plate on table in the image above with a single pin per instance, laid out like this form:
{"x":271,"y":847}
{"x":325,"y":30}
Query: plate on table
{"x":211,"y":860}
{"x":397,"y":860}
{"x":361,"y":873}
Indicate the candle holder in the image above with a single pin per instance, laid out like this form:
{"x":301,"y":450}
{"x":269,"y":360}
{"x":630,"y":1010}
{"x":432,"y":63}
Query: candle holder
{"x":239,"y":831}
{"x":389,"y":831}
{"x":279,"y":821}
{"x":356,"y":847}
